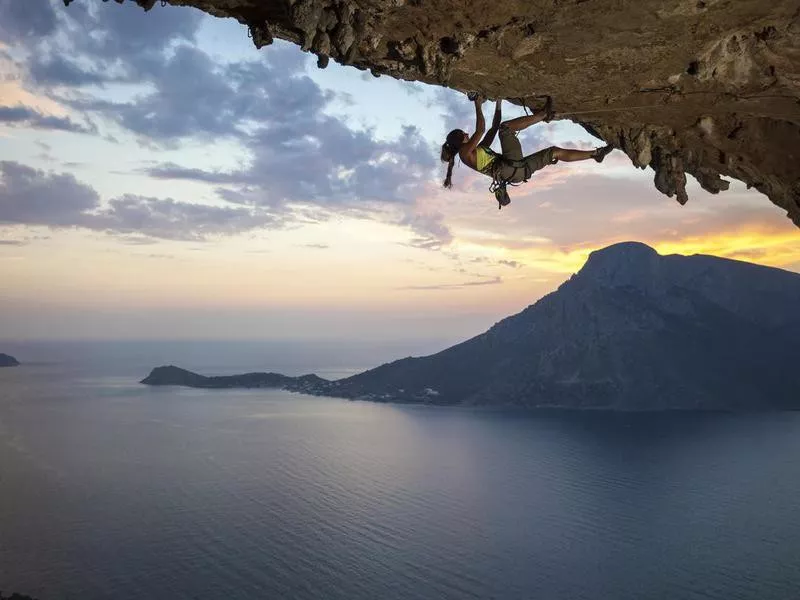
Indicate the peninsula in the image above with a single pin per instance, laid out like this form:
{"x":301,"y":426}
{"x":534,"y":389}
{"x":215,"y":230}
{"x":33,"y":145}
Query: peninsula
{"x":632,"y":330}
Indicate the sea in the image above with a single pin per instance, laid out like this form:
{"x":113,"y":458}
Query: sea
{"x":112,"y":489}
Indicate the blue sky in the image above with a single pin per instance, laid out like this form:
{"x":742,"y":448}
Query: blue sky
{"x":162,"y":178}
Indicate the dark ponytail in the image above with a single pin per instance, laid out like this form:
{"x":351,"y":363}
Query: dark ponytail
{"x":449,"y":151}
{"x":449,"y":157}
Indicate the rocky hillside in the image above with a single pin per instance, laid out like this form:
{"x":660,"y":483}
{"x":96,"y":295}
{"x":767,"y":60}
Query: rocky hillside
{"x":705,"y":87}
{"x":633,"y":330}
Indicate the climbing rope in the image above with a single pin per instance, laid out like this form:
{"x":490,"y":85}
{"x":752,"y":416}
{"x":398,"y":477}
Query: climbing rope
{"x":601,"y":110}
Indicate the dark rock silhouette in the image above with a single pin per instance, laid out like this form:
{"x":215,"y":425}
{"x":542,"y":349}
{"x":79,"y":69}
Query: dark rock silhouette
{"x":171,"y":375}
{"x":8,"y":361}
{"x":632,"y":330}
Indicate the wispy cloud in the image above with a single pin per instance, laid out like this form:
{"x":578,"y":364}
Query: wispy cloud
{"x":454,"y":286}
{"x":23,"y":116}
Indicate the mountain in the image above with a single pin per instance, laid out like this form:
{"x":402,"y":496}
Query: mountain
{"x":632,"y":330}
{"x":8,"y":361}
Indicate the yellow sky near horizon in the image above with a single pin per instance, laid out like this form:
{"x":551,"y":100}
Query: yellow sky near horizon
{"x":342,"y":263}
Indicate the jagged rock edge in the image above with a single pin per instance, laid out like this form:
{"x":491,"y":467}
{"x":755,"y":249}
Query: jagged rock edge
{"x":352,"y":36}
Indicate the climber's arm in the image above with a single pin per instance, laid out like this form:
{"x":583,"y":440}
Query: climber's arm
{"x":480,"y":128}
{"x":489,"y":137}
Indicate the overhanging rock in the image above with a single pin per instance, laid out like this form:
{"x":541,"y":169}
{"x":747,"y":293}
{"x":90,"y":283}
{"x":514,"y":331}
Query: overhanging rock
{"x":705,"y":87}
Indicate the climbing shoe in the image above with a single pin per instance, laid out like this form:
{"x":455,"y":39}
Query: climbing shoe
{"x":601,"y":153}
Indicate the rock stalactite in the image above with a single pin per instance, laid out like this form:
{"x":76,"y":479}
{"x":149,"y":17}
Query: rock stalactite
{"x":705,"y":87}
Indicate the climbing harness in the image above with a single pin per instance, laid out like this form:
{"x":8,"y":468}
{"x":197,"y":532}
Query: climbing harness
{"x":499,"y":184}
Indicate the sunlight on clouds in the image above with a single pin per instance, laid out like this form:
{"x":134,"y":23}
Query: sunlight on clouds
{"x":752,"y":245}
{"x":12,"y":93}
{"x":777,"y":249}
{"x":554,"y":260}
{"x":763,"y":244}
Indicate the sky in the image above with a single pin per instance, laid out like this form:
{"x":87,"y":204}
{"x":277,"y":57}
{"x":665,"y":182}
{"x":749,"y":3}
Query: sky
{"x":160,"y":178}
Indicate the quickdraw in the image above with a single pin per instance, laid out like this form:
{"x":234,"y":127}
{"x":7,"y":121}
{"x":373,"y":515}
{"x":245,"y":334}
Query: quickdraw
{"x":498,"y":188}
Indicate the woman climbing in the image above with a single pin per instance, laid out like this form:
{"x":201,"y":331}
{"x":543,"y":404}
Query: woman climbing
{"x":510,"y":166}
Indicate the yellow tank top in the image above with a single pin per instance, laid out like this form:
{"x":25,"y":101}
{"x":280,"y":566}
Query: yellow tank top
{"x":484,"y":158}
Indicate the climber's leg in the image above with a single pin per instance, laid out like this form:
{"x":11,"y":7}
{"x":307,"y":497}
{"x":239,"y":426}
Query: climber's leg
{"x":569,"y":155}
{"x":521,"y":123}
{"x":509,"y":144}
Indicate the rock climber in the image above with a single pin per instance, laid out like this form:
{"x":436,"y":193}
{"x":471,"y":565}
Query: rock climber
{"x":509,"y":166}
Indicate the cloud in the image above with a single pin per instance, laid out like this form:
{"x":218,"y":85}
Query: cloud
{"x":430,"y":229}
{"x":315,"y":158}
{"x":33,"y":197}
{"x":193,"y":97}
{"x":170,"y":219}
{"x":23,"y":21}
{"x":454,"y":286}
{"x":12,"y":243}
{"x":501,"y":262}
{"x":170,"y":170}
{"x":28,"y":117}
{"x":509,"y":263}
{"x":298,"y":153}
{"x":59,"y":70}
{"x":456,"y":111}
{"x":124,"y":45}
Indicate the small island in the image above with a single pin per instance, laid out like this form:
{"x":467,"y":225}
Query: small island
{"x":171,"y":375}
{"x":8,"y":361}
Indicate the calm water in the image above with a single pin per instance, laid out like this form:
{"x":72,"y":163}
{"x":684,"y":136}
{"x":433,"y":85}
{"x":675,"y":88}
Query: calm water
{"x":109,"y":489}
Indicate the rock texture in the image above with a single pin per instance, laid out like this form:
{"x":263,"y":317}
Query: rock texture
{"x":705,"y":87}
{"x":633,"y":330}
{"x":8,"y":361}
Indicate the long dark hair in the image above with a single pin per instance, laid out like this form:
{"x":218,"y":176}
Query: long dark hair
{"x":450,"y":149}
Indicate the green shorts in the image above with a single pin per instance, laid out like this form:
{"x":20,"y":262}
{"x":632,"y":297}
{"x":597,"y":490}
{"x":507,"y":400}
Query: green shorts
{"x":514,"y":167}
